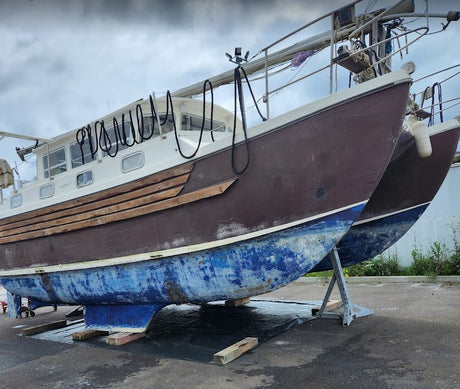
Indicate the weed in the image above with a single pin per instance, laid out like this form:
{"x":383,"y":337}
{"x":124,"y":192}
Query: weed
{"x":437,"y":261}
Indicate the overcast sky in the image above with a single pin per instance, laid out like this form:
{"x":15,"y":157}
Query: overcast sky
{"x":66,"y":63}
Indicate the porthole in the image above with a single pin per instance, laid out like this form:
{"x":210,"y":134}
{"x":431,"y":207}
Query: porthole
{"x":16,"y":200}
{"x":132,"y":162}
{"x":47,"y":190}
{"x":85,"y":178}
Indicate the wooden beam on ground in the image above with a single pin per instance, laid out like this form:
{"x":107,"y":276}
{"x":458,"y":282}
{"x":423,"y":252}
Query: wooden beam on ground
{"x":236,"y":303}
{"x":330,"y":306}
{"x":119,"y":338}
{"x":88,"y":334}
{"x":44,"y":327}
{"x":234,"y":351}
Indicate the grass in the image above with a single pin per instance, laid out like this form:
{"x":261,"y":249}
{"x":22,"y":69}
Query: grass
{"x":437,"y":261}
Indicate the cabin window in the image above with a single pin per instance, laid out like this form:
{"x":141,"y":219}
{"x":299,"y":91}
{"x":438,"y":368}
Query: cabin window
{"x":54,"y":163}
{"x":85,"y":178}
{"x":75,"y":153}
{"x":16,"y":200}
{"x":110,"y":138}
{"x":132,"y":162}
{"x":152,"y":125}
{"x":193,"y":123}
{"x":46,"y":190}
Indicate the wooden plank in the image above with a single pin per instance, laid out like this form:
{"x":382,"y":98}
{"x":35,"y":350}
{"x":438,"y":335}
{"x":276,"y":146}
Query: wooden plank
{"x":93,"y":213}
{"x":330,"y":306}
{"x":119,"y":338}
{"x":234,"y":351}
{"x":44,"y":327}
{"x":61,"y":217}
{"x":88,"y":334}
{"x":200,"y":194}
{"x":237,"y":303}
{"x":106,"y":193}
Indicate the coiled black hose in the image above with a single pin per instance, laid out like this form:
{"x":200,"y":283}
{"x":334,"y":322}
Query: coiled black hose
{"x":99,"y":137}
{"x":238,"y":95}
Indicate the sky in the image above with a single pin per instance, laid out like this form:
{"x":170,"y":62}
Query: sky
{"x":66,"y":63}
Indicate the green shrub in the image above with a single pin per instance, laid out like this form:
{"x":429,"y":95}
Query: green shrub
{"x":437,"y":261}
{"x":379,"y":266}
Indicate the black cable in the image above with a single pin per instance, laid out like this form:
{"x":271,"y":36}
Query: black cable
{"x":105,"y":142}
{"x":238,"y":94}
{"x":169,"y":102}
{"x":80,"y":137}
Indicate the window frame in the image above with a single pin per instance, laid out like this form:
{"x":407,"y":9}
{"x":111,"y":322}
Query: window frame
{"x":13,"y":198}
{"x":85,"y":183}
{"x":123,"y":170}
{"x":53,"y":170}
{"x":49,"y":184}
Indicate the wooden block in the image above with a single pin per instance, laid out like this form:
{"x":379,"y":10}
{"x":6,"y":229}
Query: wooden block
{"x":88,"y":334}
{"x":236,"y":303}
{"x":234,"y":351}
{"x":120,"y":338}
{"x":44,"y":327}
{"x":330,"y":306}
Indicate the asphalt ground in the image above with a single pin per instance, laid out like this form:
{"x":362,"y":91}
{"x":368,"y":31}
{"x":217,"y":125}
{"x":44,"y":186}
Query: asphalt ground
{"x":411,"y":341}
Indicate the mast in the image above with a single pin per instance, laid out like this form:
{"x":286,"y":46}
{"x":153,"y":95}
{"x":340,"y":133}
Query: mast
{"x":369,"y":24}
{"x":315,"y":43}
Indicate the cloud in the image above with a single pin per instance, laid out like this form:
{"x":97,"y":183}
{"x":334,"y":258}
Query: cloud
{"x":66,"y":63}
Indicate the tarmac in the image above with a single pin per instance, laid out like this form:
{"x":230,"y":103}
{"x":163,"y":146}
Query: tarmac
{"x":411,"y":341}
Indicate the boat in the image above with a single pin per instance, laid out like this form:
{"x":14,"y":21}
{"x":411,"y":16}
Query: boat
{"x":175,"y":200}
{"x":125,"y":235}
{"x":418,"y":166}
{"x":406,"y":189}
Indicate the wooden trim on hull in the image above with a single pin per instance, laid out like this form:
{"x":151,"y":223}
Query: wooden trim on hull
{"x":118,"y":194}
{"x":142,"y":206}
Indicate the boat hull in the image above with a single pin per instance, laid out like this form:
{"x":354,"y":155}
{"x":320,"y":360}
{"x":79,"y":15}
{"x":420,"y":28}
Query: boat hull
{"x":234,"y":271}
{"x":300,"y":169}
{"x":204,"y":232}
{"x":407,"y":187}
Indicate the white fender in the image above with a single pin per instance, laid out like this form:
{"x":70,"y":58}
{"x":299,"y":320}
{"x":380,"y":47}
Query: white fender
{"x":421,"y":135}
{"x":422,"y":139}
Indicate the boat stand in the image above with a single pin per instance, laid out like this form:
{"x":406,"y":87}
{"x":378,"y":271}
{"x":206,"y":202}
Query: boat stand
{"x":14,"y":305}
{"x":351,"y":310}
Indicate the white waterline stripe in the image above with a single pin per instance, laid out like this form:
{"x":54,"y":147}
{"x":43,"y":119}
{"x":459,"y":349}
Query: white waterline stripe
{"x":389,"y":214}
{"x":169,"y":252}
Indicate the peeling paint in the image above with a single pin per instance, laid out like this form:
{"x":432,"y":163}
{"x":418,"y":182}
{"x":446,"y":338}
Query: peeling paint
{"x":366,"y":240}
{"x":233,"y":271}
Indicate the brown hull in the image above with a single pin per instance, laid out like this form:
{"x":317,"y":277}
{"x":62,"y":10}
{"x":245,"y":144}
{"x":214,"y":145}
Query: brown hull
{"x":406,"y":189}
{"x":315,"y":165}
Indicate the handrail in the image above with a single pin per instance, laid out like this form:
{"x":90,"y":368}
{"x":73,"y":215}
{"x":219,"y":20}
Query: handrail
{"x":361,"y":51}
{"x":307,"y":25}
{"x":375,"y":18}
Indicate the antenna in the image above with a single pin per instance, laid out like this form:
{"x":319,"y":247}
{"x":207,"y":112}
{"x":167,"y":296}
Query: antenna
{"x":237,"y":58}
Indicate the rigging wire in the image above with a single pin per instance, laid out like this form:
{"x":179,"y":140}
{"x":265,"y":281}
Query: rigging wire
{"x":439,"y":71}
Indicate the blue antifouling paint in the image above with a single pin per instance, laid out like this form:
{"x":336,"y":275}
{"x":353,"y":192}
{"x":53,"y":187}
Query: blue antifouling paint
{"x":366,"y":240}
{"x":233,"y":271}
{"x":118,"y":317}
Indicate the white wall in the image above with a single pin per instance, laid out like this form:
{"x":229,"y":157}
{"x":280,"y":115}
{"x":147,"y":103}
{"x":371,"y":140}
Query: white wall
{"x":439,"y":223}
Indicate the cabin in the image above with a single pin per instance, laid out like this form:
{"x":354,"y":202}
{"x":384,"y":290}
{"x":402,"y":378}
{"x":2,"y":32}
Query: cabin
{"x":120,"y":147}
